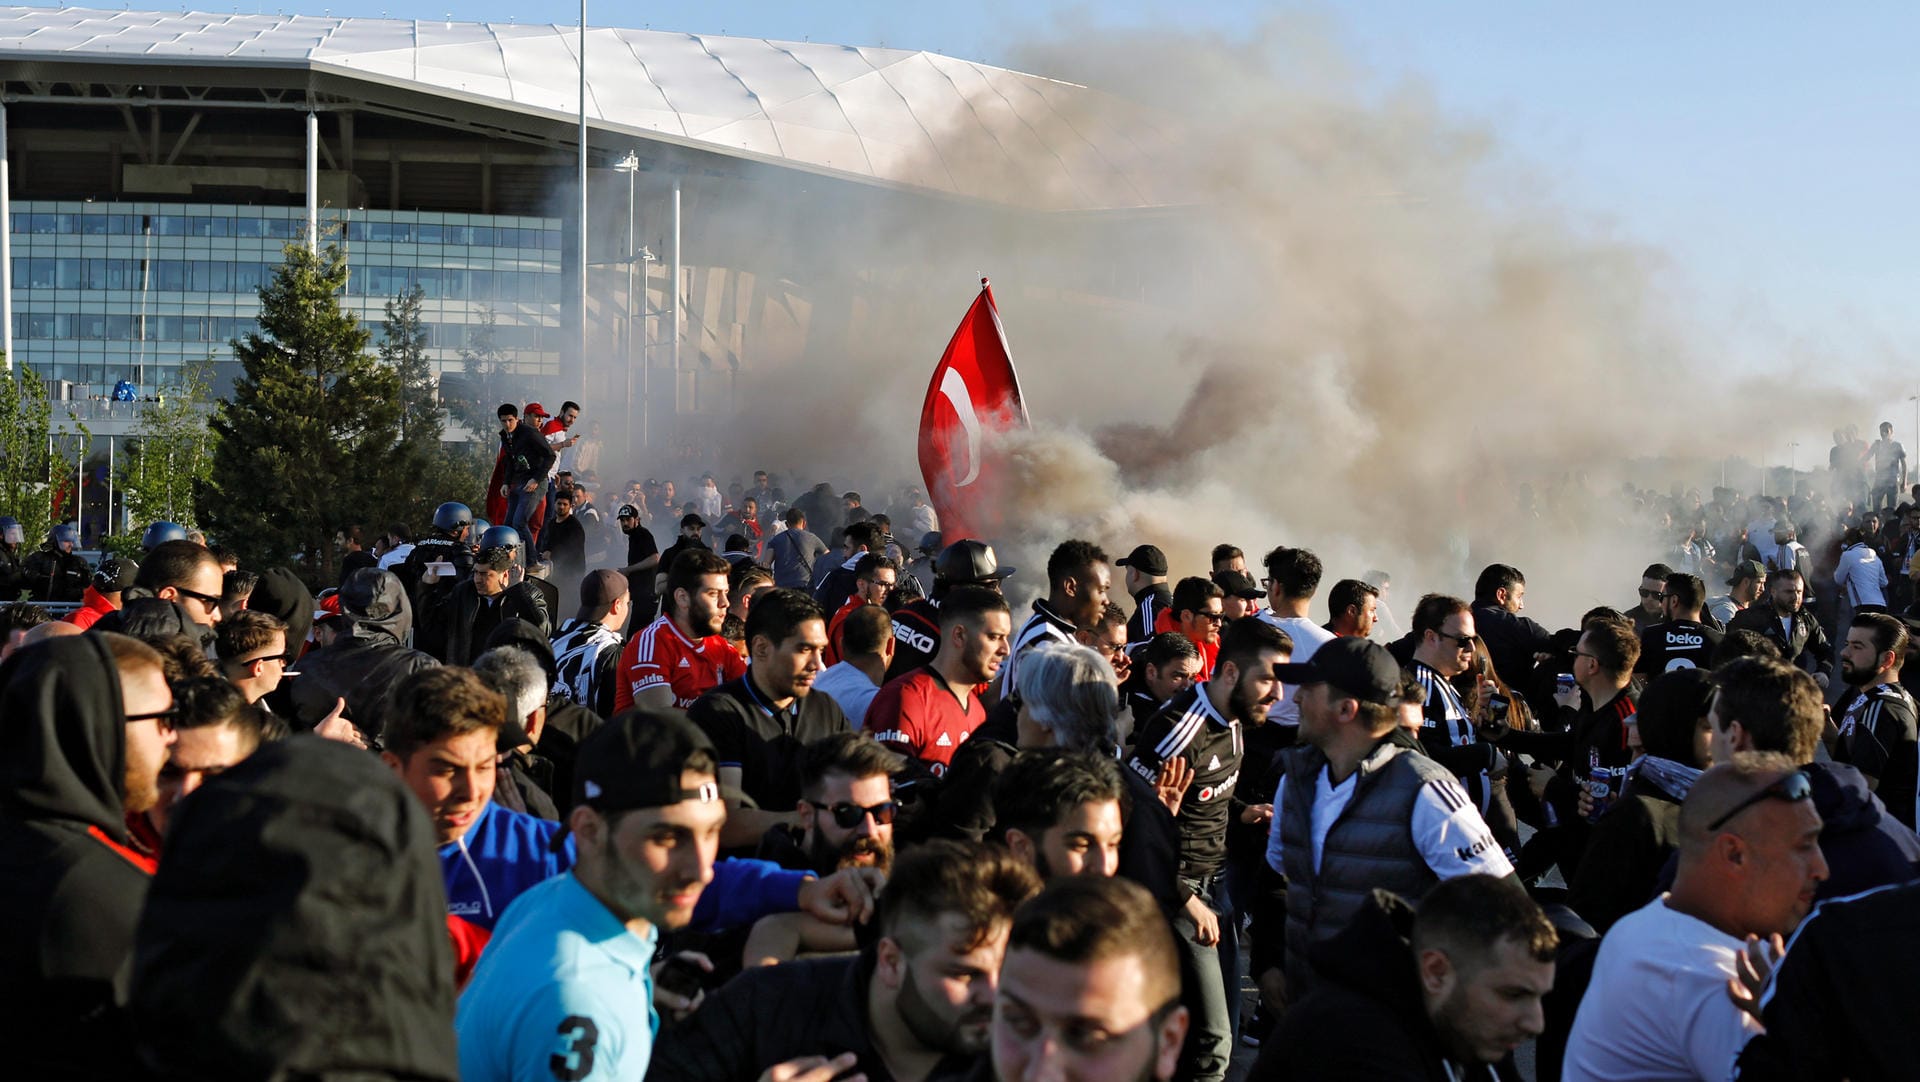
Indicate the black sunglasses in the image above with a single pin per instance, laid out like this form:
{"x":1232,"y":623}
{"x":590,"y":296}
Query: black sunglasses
{"x":1464,"y":642}
{"x":209,"y":602}
{"x":1793,"y":788}
{"x":847,"y":815}
{"x":1651,"y":595}
{"x":164,"y":717}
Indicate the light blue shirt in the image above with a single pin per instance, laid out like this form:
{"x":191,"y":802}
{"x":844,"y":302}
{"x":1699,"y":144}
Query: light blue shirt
{"x":562,"y":992}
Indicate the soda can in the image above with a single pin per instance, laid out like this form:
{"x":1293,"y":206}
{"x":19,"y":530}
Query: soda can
{"x":1563,"y":683}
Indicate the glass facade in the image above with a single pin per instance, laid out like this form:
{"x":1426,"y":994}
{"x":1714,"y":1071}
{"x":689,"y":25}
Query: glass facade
{"x":111,"y":291}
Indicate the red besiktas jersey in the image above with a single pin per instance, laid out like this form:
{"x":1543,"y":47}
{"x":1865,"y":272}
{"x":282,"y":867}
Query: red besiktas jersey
{"x":659,"y":654}
{"x":917,"y":715}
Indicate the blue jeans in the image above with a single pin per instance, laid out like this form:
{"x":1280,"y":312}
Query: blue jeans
{"x":520,"y":504}
{"x":1215,"y":972}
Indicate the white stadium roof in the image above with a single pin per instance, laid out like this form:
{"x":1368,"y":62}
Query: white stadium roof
{"x":888,"y":116}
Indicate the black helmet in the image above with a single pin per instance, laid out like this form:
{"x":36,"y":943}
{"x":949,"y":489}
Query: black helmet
{"x":450,"y":516}
{"x":64,"y":534}
{"x":160,"y":533}
{"x":967,"y":563}
{"x":500,"y":537}
{"x":930,"y":541}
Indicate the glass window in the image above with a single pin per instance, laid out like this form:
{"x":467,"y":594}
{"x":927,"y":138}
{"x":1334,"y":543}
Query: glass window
{"x":118,"y":328}
{"x":170,"y":225}
{"x":249,"y":227}
{"x":209,"y":227}
{"x":425,"y":233}
{"x":94,"y":225}
{"x":386,"y":281}
{"x":210,"y":276}
{"x":169,"y":274}
{"x":69,"y":273}
{"x":481,"y":234}
{"x":39,"y":273}
{"x":248,"y":277}
{"x":480,"y":285}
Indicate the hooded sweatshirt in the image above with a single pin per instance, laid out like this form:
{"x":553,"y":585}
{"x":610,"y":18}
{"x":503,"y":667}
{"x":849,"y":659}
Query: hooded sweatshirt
{"x":298,"y":929}
{"x":364,"y":665}
{"x":70,"y":886}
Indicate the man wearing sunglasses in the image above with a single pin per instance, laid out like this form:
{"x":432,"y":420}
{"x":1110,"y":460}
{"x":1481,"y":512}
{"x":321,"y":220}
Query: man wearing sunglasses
{"x":252,"y":648}
{"x":1750,"y":863}
{"x":87,"y":731}
{"x":1651,"y":608}
{"x":186,"y":573}
{"x":846,"y":809}
{"x":1199,"y":611}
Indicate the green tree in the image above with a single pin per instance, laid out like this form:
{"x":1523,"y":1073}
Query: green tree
{"x":309,"y":440}
{"x":446,"y":472}
{"x":26,"y":419}
{"x":172,"y":451}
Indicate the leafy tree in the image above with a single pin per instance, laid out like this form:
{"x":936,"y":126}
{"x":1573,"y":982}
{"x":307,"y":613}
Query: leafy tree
{"x":26,"y":418}
{"x":171,"y":452}
{"x":309,"y":440}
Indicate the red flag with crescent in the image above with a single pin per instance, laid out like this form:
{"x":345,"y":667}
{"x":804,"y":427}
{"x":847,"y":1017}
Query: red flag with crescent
{"x":974,"y":393}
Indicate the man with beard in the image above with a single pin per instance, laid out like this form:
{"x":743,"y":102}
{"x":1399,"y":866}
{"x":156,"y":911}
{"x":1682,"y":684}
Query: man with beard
{"x":928,"y":713}
{"x":915,"y":1006}
{"x":1147,"y":584}
{"x":1352,"y":606}
{"x":681,"y":656}
{"x":643,"y":559}
{"x":1877,"y":715}
{"x":1090,"y":988}
{"x":1793,"y":628}
{"x":1061,"y":813}
{"x":846,"y":809}
{"x":456,"y":627}
{"x":1448,"y":993}
{"x":1203,"y":726}
{"x":916,"y":626}
{"x":761,"y":721}
{"x":1749,"y":581}
{"x":1653,"y":594}
{"x":1750,"y":863}
{"x":85,"y":736}
{"x":1356,"y":809}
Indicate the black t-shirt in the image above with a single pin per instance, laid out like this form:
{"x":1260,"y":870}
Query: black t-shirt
{"x":640,"y":545}
{"x":1188,"y":727}
{"x":1675,"y":645}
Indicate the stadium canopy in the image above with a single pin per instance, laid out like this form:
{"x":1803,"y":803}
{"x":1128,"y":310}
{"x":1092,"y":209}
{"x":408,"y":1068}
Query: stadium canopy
{"x":914,"y":120}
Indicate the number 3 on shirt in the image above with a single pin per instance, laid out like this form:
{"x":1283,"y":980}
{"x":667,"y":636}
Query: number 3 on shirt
{"x":577,"y":1062}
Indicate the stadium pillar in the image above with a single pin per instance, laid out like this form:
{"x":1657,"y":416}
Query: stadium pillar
{"x":6,"y":247}
{"x":313,"y":181}
{"x":675,"y":286}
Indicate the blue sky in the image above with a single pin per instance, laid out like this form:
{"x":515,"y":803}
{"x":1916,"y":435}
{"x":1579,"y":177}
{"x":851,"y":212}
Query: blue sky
{"x":1767,"y":148}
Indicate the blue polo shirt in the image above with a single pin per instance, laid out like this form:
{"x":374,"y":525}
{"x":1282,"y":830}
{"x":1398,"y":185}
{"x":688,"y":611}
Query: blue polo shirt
{"x":563,"y":992}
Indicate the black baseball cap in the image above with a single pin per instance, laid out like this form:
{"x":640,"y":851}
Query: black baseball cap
{"x":1147,"y":558}
{"x":692,"y":520}
{"x":1238,"y":584}
{"x":628,"y":510}
{"x":635,"y":761}
{"x":1359,"y":667}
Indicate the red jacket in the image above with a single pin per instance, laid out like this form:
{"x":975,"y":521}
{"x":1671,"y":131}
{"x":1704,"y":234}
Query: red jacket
{"x":93,"y":605}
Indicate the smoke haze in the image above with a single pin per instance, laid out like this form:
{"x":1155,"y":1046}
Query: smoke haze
{"x":1348,"y":324}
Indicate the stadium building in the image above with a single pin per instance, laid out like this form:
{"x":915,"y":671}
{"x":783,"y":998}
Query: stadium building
{"x":156,"y":163}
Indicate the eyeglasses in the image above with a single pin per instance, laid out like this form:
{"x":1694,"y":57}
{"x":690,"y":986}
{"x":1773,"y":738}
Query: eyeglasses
{"x":1211,"y":617}
{"x":1793,"y":788}
{"x":1653,"y":595}
{"x":281,"y":658}
{"x":1590,"y":657}
{"x":165,"y":717}
{"x":848,"y":815}
{"x":210,"y":602}
{"x":1464,"y":642}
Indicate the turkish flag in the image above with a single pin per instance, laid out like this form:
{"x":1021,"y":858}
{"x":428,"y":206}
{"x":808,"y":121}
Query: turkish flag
{"x":974,"y":392}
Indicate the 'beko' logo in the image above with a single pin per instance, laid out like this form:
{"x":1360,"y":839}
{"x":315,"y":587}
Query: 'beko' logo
{"x":916,"y":639}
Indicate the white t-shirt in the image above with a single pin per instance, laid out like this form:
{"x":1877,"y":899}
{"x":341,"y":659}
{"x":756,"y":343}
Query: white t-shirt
{"x":1447,"y":829}
{"x":1307,"y":638}
{"x":848,"y":686}
{"x":1657,"y":1007}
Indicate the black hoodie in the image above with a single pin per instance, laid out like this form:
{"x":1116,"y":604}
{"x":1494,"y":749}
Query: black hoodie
{"x":1366,"y":1017}
{"x":298,"y":928}
{"x":70,"y":889}
{"x":364,"y":665}
{"x":568,"y":723}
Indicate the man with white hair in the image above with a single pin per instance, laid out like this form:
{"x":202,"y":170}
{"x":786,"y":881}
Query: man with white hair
{"x":522,"y":778}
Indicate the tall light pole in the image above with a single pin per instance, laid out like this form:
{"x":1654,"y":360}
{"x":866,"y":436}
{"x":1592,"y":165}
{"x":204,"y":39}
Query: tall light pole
{"x":583,"y":192}
{"x":630,"y":165}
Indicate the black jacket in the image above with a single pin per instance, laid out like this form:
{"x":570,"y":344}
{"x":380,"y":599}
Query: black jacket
{"x":566,"y":544}
{"x":448,"y":629}
{"x":1626,"y":849}
{"x":1808,"y":648}
{"x":363,"y":667}
{"x":1511,"y":640}
{"x":57,"y":576}
{"x":1842,"y":1003}
{"x":528,"y":455}
{"x":1148,"y":604}
{"x":567,"y":723}
{"x":813,"y":1007}
{"x":1366,"y":1017}
{"x":766,"y":744}
{"x":298,"y":928}
{"x":70,"y":889}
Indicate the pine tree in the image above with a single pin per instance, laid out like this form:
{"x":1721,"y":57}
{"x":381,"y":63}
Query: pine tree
{"x":26,"y":417}
{"x":444,"y":472}
{"x":309,"y":440}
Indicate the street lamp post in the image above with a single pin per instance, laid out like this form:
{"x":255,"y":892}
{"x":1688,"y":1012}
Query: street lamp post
{"x":630,"y":165}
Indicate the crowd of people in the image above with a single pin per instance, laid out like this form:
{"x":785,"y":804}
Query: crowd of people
{"x":793,"y":800}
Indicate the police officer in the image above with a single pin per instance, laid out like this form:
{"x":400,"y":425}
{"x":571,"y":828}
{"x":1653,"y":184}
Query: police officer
{"x":12,"y":577}
{"x":56,"y":572}
{"x":453,"y":531}
{"x":916,"y":627}
{"x":160,"y":533}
